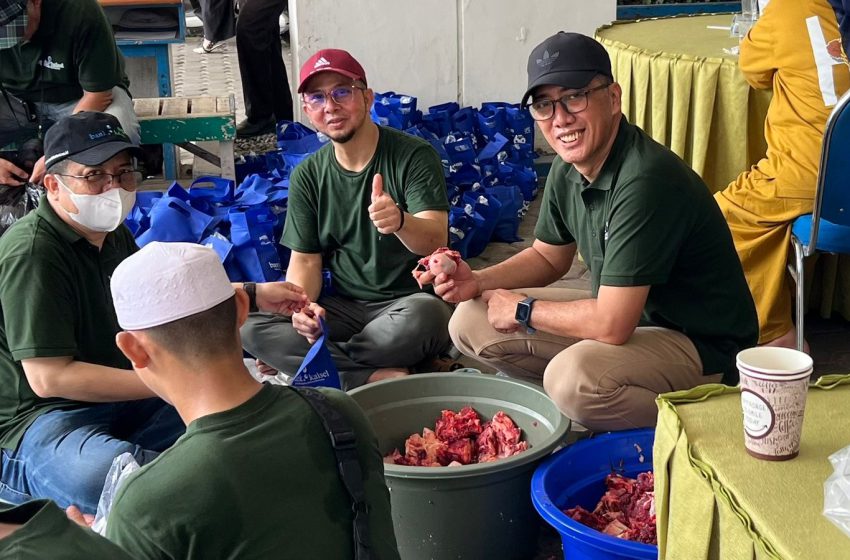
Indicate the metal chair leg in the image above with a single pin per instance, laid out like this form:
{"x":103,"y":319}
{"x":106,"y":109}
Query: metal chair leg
{"x":801,"y":292}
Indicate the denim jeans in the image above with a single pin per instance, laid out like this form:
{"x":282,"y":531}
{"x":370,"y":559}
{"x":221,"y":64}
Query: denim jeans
{"x":65,"y":454}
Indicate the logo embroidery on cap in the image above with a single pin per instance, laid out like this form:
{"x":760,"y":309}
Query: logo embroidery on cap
{"x":321,"y":62}
{"x":547,"y":58}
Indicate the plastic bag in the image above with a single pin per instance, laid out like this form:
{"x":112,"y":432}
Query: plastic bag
{"x":122,"y":466}
{"x":318,"y":368}
{"x":16,"y":202}
{"x":836,"y":490}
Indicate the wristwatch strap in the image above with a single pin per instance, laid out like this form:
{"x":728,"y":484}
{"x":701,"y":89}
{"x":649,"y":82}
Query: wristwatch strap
{"x":251,"y":289}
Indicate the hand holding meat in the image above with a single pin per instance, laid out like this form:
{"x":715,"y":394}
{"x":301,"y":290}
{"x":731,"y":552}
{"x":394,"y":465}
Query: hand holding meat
{"x":501,"y":309}
{"x":384,"y":213}
{"x":284,"y":298}
{"x":441,"y":261}
{"x":306,"y":322}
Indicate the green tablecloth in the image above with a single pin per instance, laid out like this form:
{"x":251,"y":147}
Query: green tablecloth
{"x":680,"y":87}
{"x":713,"y":500}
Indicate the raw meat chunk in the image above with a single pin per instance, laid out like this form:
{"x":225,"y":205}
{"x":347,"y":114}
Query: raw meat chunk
{"x":460,"y":438}
{"x":626,"y":510}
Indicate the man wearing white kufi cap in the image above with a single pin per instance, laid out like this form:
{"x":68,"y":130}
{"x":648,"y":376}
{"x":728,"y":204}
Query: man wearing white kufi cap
{"x":69,"y":400}
{"x":255,"y":458}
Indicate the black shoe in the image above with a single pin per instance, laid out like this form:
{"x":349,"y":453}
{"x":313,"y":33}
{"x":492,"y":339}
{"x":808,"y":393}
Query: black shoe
{"x":247,"y":129}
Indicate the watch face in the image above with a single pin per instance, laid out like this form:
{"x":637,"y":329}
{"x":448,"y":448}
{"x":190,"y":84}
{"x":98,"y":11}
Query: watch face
{"x":522,"y":312}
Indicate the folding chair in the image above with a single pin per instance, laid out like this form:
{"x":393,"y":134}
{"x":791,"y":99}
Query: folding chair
{"x":827,"y":228}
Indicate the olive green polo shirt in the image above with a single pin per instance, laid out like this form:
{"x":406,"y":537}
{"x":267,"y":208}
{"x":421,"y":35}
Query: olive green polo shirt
{"x":270,"y":487}
{"x":327,"y":214}
{"x":54,"y":301}
{"x":47,"y":533}
{"x":649,"y":220}
{"x":72,"y":50}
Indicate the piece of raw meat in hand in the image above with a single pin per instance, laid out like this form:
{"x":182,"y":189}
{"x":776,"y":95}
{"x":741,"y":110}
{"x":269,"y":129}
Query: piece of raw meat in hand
{"x":443,"y":260}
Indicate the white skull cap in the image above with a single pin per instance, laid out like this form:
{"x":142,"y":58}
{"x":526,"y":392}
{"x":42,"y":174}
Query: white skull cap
{"x":164,"y":282}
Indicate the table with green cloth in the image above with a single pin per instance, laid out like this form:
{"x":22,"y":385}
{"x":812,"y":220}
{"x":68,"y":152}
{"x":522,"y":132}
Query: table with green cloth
{"x":683,"y":90}
{"x":688,"y":94}
{"x":714,"y":500}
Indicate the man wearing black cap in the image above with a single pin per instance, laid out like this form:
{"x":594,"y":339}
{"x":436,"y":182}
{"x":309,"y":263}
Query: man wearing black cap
{"x":669,"y":307}
{"x":57,"y":57}
{"x":69,"y":400}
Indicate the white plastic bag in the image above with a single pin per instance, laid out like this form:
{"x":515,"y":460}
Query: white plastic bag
{"x":836,"y":489}
{"x":122,"y":467}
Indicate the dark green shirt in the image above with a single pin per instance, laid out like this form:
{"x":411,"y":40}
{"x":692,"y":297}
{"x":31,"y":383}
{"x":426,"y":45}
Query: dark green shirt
{"x":256,"y":482}
{"x":649,"y":220}
{"x":54,"y":301}
{"x":327,"y":214}
{"x":47,"y":533}
{"x":72,"y":50}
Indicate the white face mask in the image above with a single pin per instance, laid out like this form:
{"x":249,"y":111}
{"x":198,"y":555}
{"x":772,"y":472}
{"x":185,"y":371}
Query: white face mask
{"x":100,"y":212}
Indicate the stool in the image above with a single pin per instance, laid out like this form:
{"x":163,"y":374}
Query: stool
{"x":184,"y":120}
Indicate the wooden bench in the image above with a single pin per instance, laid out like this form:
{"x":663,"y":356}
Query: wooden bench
{"x":184,"y":120}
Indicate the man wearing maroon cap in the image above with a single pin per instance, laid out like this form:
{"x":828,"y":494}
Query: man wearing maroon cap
{"x":365,"y":206}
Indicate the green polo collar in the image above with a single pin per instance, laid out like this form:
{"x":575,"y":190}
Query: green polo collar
{"x":45,"y":212}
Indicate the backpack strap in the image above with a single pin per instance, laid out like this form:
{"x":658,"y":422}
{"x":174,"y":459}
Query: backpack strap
{"x":344,"y":442}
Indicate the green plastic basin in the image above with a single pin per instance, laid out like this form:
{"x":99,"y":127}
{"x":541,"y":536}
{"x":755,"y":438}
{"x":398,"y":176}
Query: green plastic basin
{"x":472,"y":511}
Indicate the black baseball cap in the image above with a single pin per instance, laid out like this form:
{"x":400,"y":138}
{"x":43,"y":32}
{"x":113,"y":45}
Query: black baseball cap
{"x":569,"y":60}
{"x":87,"y":137}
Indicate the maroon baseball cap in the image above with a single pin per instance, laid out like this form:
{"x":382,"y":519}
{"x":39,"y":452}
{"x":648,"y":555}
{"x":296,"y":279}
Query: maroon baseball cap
{"x":331,"y":60}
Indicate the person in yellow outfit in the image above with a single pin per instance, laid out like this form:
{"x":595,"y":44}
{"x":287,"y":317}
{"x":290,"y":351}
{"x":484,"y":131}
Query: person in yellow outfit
{"x":795,"y":48}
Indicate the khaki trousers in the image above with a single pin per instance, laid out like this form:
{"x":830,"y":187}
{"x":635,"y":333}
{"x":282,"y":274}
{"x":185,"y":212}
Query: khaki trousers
{"x":601,"y":386}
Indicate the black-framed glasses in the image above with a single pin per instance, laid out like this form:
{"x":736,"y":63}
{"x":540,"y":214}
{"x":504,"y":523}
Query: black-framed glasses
{"x":544,"y":109}
{"x":341,"y":95}
{"x":97,"y":181}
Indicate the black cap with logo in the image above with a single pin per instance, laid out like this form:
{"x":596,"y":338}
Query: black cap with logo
{"x":87,"y":137}
{"x":569,"y":60}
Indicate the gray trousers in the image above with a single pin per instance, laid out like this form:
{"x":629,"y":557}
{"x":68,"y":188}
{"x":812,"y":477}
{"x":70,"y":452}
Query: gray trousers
{"x":364,"y":335}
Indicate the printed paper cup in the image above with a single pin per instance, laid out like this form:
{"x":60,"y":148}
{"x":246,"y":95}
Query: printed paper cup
{"x":774,"y":385}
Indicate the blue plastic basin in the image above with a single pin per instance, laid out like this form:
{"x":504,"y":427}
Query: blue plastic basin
{"x":576,"y":476}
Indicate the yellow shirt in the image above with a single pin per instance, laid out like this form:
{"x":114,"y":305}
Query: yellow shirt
{"x":795,"y":48}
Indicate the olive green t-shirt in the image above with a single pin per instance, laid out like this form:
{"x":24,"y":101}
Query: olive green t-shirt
{"x":327,"y":214}
{"x":46,"y":533}
{"x":72,"y":50}
{"x":54,"y":301}
{"x":649,"y":220}
{"x":255,"y":482}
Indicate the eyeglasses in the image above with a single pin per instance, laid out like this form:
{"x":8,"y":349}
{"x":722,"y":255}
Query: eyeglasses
{"x":544,"y":109}
{"x":341,"y":95}
{"x":96,"y":182}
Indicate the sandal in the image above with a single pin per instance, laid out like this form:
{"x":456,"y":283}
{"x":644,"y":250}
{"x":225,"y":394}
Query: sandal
{"x":207,"y":47}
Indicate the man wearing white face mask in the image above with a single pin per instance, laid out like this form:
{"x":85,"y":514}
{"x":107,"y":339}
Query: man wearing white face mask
{"x":69,"y":400}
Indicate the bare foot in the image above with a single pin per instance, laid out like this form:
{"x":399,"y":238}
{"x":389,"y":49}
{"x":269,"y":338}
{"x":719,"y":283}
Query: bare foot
{"x":788,"y":340}
{"x":82,"y":519}
{"x":387,"y":373}
{"x":265,"y":369}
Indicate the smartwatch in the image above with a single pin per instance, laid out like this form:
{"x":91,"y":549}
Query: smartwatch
{"x":251,"y":289}
{"x":523,"y":314}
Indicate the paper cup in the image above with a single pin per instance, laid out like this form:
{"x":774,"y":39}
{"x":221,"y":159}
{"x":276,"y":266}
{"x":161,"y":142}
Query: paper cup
{"x":774,"y":384}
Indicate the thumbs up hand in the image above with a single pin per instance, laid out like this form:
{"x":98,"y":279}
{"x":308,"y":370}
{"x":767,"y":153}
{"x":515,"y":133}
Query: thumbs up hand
{"x":386,"y":216}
